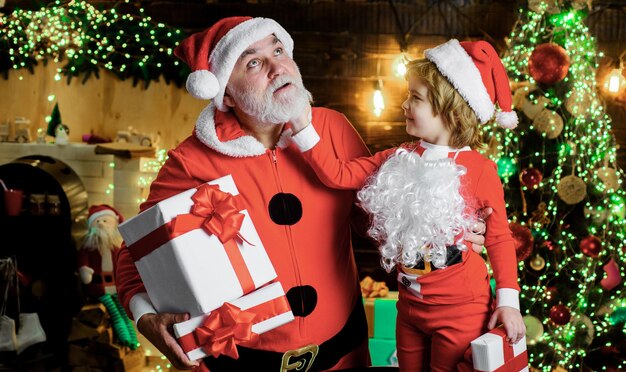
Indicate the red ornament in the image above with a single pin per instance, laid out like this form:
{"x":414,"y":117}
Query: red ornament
{"x":612,"y":276}
{"x":530,"y":177}
{"x":523,"y":241}
{"x":591,"y":246}
{"x":549,"y":63}
{"x":560,"y":314}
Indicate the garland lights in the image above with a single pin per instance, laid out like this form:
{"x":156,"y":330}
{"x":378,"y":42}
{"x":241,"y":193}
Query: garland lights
{"x":87,"y":40}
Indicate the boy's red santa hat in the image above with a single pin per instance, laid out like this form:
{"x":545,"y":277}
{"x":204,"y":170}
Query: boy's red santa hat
{"x":96,"y":211}
{"x":212,"y":53}
{"x":477,"y":73}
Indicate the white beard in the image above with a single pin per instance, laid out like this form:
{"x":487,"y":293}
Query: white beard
{"x":106,"y":238}
{"x":273,"y":111}
{"x":416,"y":209}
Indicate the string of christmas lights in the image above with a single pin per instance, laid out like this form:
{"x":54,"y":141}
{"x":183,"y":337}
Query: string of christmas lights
{"x":563,"y":155}
{"x":87,"y":40}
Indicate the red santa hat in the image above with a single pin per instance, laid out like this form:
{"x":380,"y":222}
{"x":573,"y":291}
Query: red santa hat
{"x":96,"y":211}
{"x":477,"y":73}
{"x":212,"y":53}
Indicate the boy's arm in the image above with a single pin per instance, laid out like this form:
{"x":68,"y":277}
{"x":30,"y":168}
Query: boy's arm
{"x":498,"y":238}
{"x":333,"y":172}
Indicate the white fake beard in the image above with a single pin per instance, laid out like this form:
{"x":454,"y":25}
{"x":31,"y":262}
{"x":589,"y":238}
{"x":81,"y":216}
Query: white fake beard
{"x":102,"y":239}
{"x":273,"y":111}
{"x":416,"y":208}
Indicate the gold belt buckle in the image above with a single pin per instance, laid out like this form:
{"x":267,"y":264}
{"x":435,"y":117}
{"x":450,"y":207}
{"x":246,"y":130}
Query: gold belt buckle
{"x":305,"y":357}
{"x":423,"y":271}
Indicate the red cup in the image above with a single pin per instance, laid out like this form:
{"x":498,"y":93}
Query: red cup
{"x":13,"y":201}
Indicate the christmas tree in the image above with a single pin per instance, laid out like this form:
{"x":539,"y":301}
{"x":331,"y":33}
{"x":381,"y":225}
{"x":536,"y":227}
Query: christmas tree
{"x":563,"y":192}
{"x":55,"y":119}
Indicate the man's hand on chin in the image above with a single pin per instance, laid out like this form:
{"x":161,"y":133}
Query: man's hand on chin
{"x":302,"y":121}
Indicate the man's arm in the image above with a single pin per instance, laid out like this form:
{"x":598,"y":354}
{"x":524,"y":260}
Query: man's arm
{"x":172,"y":179}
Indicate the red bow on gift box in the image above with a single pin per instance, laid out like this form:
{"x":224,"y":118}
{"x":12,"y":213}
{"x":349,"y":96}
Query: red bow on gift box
{"x":215,"y":211}
{"x":224,"y":329}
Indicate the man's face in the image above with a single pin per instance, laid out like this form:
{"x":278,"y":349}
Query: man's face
{"x":266,"y":83}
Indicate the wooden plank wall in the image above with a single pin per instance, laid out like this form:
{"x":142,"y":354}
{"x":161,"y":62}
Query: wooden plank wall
{"x":342,"y":48}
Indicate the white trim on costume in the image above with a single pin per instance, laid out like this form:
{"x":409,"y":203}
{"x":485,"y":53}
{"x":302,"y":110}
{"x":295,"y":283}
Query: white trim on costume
{"x":140,"y":305}
{"x":458,"y":67}
{"x":306,"y":139}
{"x":241,"y":147}
{"x":507,"y":297}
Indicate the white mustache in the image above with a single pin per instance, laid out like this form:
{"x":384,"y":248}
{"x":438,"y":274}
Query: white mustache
{"x":281,"y":81}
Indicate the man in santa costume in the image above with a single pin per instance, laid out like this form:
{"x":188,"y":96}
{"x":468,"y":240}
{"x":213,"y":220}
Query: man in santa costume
{"x":244,"y":66}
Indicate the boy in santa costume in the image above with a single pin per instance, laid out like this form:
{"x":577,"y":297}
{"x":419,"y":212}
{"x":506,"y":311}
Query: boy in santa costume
{"x":245,"y":66}
{"x":423,"y":196}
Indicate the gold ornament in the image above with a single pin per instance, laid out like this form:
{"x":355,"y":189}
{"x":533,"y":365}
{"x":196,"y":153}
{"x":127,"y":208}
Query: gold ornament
{"x":539,"y":6}
{"x":559,"y":369}
{"x":537,"y":263}
{"x":578,"y":102}
{"x":598,"y":216}
{"x":531,"y":110}
{"x":534,"y":329}
{"x":609,"y":177}
{"x":581,"y":4}
{"x":549,"y":122}
{"x":519,"y":96}
{"x":539,"y":217}
{"x":571,"y":189}
{"x":584,"y":323}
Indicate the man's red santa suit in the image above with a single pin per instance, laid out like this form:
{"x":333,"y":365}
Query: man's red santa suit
{"x":304,"y":226}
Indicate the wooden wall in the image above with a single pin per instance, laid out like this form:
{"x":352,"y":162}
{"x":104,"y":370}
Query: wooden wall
{"x":342,"y":48}
{"x":103,"y":105}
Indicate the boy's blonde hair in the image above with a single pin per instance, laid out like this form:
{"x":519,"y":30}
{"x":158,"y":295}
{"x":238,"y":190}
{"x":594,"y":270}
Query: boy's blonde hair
{"x":457,"y":115}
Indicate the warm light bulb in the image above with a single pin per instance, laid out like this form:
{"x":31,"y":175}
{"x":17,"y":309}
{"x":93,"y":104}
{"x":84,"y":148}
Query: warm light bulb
{"x":379,"y":102}
{"x":399,"y":66}
{"x":615,"y":81}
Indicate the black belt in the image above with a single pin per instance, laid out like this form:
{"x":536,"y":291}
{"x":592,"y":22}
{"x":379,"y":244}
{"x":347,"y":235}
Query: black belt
{"x":453,"y":257}
{"x":104,"y":278}
{"x":318,"y":358}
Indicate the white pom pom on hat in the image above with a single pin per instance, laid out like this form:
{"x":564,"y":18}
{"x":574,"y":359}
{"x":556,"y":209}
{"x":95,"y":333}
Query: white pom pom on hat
{"x":212,"y":54}
{"x":477,"y":73}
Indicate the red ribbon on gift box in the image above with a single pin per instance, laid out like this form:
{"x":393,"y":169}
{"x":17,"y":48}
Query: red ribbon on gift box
{"x":229,"y":326}
{"x":214,"y":211}
{"x":512,"y":363}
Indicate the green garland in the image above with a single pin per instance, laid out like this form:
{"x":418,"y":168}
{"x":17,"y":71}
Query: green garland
{"x":88,"y":40}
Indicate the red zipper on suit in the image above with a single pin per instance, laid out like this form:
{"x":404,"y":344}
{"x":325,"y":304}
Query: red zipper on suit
{"x":292,"y":251}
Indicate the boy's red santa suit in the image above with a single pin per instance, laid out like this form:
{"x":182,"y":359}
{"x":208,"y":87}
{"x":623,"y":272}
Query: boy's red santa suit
{"x":97,"y":253}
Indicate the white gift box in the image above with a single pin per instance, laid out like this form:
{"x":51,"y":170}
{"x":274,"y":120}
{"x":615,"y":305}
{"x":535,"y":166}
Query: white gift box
{"x":192,"y":272}
{"x":265,"y":294}
{"x":491,"y":352}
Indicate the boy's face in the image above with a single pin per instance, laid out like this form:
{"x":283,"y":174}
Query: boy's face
{"x":420,"y":120}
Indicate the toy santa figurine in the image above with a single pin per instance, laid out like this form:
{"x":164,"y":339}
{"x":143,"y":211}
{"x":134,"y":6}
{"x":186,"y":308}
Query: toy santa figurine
{"x":97,"y":253}
{"x":95,"y":267}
